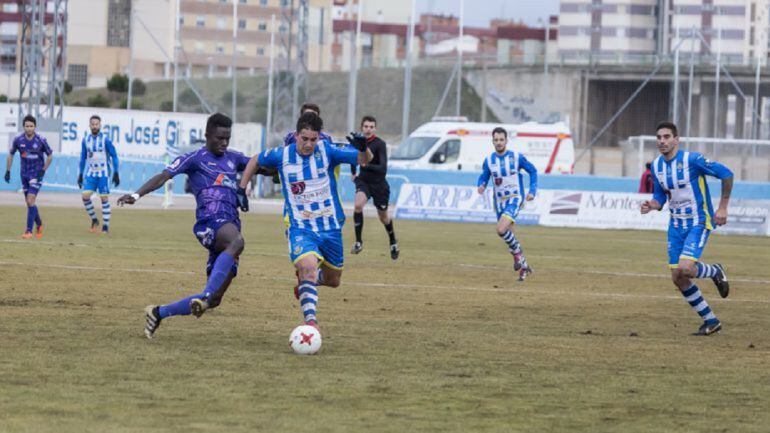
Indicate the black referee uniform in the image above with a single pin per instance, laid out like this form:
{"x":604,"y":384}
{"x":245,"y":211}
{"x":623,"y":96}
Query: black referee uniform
{"x":372,"y":182}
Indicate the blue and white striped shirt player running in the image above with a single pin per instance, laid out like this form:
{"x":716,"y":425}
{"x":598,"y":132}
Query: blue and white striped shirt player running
{"x":681,"y":181}
{"x":508,"y":182}
{"x":312,"y":204}
{"x":679,"y":178}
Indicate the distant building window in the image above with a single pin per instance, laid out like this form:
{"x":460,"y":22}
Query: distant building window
{"x":262,"y":27}
{"x":199,"y":47}
{"x":260,"y":51}
{"x":241,"y":24}
{"x":240,"y":49}
{"x":200,"y":22}
{"x":220,"y":49}
{"x":243,"y":2}
{"x":221,"y":23}
{"x":263,"y":2}
{"x":118,"y":23}
{"x":284,"y":2}
{"x":181,"y":20}
{"x":77,"y":75}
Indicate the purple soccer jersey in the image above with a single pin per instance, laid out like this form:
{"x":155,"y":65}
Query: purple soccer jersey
{"x":213,"y":180}
{"x":32,"y":153}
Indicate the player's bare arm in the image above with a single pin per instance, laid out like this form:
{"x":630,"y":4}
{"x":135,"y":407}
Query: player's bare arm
{"x":482,"y":188}
{"x":151,"y":185}
{"x":720,"y":216}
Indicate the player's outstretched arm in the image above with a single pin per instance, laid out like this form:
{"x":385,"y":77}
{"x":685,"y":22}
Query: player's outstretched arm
{"x":151,"y":185}
{"x":251,"y":169}
{"x":483,"y":177}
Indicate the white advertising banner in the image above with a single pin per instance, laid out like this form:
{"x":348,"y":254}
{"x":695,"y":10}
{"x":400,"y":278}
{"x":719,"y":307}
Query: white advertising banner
{"x":454,"y":203}
{"x":601,"y":210}
{"x":560,"y":208}
{"x":135,"y":133}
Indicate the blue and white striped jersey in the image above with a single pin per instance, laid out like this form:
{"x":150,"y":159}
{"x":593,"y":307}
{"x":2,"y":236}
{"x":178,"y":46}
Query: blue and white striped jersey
{"x":682,"y":182}
{"x":507,"y":181}
{"x":97,"y":156}
{"x":309,"y":185}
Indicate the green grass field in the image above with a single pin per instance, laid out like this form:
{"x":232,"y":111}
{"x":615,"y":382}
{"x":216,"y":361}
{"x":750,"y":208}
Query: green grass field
{"x":443,"y":340}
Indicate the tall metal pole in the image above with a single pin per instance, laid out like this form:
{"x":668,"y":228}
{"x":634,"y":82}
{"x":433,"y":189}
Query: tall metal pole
{"x":676,"y":77}
{"x":353,"y":81}
{"x":460,"y":59}
{"x":233,"y":68}
{"x":716,"y":82}
{"x":130,"y":57}
{"x":408,"y":75}
{"x":754,"y":115}
{"x":690,"y":80}
{"x":269,"y":120}
{"x":176,"y":57}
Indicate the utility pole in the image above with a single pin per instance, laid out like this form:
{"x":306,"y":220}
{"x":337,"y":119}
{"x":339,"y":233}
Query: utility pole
{"x":408,"y":76}
{"x":130,"y":57}
{"x":460,"y":60}
{"x":233,"y":67}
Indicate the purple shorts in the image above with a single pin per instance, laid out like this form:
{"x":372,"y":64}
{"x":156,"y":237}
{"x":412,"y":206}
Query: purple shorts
{"x":30,"y":185}
{"x":206,"y":232}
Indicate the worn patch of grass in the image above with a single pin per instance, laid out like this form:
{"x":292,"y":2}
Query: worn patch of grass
{"x":442,"y":340}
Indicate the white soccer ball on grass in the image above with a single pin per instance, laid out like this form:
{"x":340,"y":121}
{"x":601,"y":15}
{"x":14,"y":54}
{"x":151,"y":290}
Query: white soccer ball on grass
{"x":305,"y":340}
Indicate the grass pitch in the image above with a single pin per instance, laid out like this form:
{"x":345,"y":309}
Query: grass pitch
{"x":442,"y":340}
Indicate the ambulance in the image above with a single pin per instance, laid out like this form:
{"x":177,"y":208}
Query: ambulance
{"x":463,"y":146}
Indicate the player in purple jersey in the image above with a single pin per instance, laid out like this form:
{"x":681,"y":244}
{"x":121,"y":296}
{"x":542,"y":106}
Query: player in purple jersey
{"x":31,"y":148}
{"x":213,"y":172}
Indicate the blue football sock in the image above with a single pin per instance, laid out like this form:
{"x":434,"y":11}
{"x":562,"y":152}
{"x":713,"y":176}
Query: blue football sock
{"x":178,"y":308}
{"x":308,"y":300}
{"x":696,"y":301}
{"x":38,"y":221}
{"x":219,"y":272}
{"x":30,"y":217}
{"x":705,"y":271}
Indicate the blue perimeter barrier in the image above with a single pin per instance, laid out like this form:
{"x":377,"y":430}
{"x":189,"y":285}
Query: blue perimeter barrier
{"x":63,"y":173}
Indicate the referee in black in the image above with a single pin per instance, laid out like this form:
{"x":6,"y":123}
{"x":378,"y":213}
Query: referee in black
{"x":371,"y":183}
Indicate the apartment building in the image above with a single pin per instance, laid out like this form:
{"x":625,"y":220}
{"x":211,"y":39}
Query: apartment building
{"x":638,"y":30}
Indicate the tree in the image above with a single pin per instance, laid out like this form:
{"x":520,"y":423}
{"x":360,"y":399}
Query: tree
{"x":3,"y":98}
{"x":67,"y":87}
{"x":166,"y":106}
{"x":138,"y":88}
{"x":118,"y":83}
{"x":98,"y":100}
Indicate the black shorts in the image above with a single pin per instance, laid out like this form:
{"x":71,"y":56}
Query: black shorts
{"x":379,"y":192}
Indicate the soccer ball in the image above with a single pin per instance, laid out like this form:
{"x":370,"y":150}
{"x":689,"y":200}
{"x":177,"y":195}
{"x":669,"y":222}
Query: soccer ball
{"x":305,"y":340}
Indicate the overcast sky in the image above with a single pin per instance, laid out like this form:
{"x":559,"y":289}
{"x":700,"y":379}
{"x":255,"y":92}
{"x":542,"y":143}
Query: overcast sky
{"x":479,"y":12}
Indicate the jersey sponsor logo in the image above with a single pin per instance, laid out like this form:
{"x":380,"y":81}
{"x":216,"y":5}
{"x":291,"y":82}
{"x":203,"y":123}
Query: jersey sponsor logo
{"x":230,"y":164}
{"x":223,"y":180}
{"x":297,"y":250}
{"x":297,"y":188}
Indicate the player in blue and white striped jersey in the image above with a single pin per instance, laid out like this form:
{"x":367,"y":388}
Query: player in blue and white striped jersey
{"x":504,"y":168}
{"x":98,"y":159}
{"x":679,"y":177}
{"x":312,"y":204}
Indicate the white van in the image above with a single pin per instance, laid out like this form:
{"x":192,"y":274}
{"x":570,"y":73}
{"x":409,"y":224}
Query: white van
{"x":462,"y":146}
